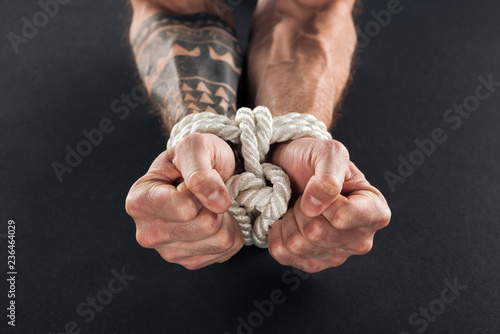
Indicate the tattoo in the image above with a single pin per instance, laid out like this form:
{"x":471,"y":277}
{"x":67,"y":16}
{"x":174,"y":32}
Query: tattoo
{"x":189,"y":64}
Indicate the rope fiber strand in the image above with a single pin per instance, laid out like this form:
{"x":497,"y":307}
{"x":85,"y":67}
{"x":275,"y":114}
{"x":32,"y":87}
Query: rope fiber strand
{"x":254,"y":204}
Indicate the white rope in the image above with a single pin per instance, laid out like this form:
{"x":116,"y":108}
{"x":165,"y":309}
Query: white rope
{"x":254,"y":204}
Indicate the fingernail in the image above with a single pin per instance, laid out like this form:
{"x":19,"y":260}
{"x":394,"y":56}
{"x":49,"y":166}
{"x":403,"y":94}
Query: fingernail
{"x":314,"y":201}
{"x":214,"y":196}
{"x":217,"y":199}
{"x":314,"y":206}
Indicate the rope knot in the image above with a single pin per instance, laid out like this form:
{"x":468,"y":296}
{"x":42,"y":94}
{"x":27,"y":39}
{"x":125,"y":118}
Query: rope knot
{"x":254,"y":204}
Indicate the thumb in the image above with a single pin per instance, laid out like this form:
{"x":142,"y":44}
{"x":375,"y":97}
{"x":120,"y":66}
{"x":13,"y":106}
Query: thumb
{"x":196,"y":156}
{"x":325,"y":185}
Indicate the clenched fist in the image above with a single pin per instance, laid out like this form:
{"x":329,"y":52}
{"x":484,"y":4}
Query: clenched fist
{"x":337,"y":214}
{"x":180,"y":205}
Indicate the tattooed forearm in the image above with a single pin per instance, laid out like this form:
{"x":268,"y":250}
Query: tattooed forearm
{"x":189,"y":64}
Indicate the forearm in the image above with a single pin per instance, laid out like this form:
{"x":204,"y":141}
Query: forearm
{"x":189,"y":63}
{"x":301,"y":55}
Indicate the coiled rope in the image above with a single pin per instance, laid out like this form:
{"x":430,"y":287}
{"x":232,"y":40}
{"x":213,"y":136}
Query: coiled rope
{"x":254,"y":204}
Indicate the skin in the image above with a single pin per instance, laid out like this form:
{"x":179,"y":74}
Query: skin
{"x":299,"y":60}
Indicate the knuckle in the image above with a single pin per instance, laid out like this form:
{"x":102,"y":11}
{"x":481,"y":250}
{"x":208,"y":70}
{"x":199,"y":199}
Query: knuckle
{"x":314,"y":231}
{"x":225,"y":240}
{"x":198,"y":179}
{"x":210,"y":226}
{"x":132,"y":206}
{"x":335,"y":148}
{"x":337,"y":260}
{"x":341,"y":218}
{"x":192,"y":264}
{"x":308,"y":266}
{"x":278,"y":251}
{"x":192,"y":140}
{"x":343,"y":151}
{"x":296,"y":243}
{"x":363,"y":247}
{"x":147,"y":240}
{"x":170,"y":256}
{"x":187,"y":215}
{"x":329,"y":184}
{"x":384,"y":218}
{"x":328,"y":146}
{"x":187,"y":211}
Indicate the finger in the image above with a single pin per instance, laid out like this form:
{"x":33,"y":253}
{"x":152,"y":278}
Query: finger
{"x":162,"y":168}
{"x":312,"y":265}
{"x":227,"y":238}
{"x":196,"y":157}
{"x":280,"y":253}
{"x":330,"y":161}
{"x":156,"y":200}
{"x":157,"y":233}
{"x":318,"y":230}
{"x":275,"y":244}
{"x":202,"y":261}
{"x":360,"y":209}
{"x":297,"y":244}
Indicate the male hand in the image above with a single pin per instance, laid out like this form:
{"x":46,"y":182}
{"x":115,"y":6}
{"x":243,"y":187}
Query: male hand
{"x":337,"y":214}
{"x":180,"y":205}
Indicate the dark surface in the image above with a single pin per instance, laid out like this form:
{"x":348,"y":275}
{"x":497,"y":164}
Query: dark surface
{"x":72,"y":234}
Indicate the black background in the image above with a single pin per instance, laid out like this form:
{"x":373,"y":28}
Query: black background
{"x":70,"y":235}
